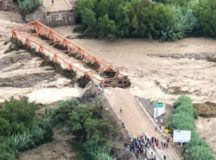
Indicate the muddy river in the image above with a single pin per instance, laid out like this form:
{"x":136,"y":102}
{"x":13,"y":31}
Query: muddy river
{"x":155,"y":69}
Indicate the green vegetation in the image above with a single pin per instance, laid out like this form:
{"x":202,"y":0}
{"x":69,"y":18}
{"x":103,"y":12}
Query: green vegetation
{"x":162,"y":19}
{"x":183,"y":119}
{"x":17,"y":116}
{"x":27,"y":6}
{"x":21,"y":129}
{"x":90,"y":128}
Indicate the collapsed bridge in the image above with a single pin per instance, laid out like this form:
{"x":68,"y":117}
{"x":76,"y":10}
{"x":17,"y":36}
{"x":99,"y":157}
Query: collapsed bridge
{"x":70,"y":56}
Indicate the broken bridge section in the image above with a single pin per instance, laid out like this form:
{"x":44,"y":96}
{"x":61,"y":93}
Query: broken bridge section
{"x":68,"y":55}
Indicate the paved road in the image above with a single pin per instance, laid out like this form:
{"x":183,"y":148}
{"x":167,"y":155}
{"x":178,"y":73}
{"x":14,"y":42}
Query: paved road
{"x":58,"y":5}
{"x":135,"y":118}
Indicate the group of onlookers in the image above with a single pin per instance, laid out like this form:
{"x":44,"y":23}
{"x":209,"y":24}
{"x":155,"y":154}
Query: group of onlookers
{"x":140,"y":145}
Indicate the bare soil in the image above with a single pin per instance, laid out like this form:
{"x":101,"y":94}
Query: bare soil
{"x":149,"y":106}
{"x":206,"y":128}
{"x":59,"y":149}
{"x":7,"y":5}
{"x":207,"y":109}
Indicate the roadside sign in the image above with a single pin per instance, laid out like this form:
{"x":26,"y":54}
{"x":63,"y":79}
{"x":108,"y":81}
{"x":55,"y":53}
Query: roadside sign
{"x":181,"y":136}
{"x":166,"y":131}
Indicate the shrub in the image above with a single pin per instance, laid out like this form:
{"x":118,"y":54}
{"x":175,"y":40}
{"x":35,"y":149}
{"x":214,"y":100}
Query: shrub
{"x":98,"y":153}
{"x":108,"y":19}
{"x":162,"y":19}
{"x":41,"y":132}
{"x":62,"y":114}
{"x":144,"y":19}
{"x":107,"y":28}
{"x":21,"y":142}
{"x":204,"y":10}
{"x":184,"y":24}
{"x":28,"y":6}
{"x":19,"y":114}
{"x":21,"y":129}
{"x":183,"y":99}
{"x":5,"y":128}
{"x":183,"y":119}
{"x":89,"y":22}
{"x":7,"y":156}
{"x":87,"y":124}
{"x":198,"y":152}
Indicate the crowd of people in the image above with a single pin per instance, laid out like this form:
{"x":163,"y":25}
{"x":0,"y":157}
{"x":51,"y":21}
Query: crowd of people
{"x":140,"y":146}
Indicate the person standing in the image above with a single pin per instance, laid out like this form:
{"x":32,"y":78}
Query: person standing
{"x":52,"y":1}
{"x":152,"y":156}
{"x":121,"y":110}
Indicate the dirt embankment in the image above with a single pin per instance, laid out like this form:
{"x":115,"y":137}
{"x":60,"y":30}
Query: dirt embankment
{"x":7,"y":5}
{"x":206,"y":128}
{"x":59,"y":149}
{"x":207,"y":109}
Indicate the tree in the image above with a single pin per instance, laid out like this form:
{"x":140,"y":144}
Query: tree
{"x":5,"y":128}
{"x":62,"y":114}
{"x":87,"y":124}
{"x":89,"y":22}
{"x":28,"y":6}
{"x":183,"y":119}
{"x":206,"y":15}
{"x":20,"y":114}
{"x":107,"y":28}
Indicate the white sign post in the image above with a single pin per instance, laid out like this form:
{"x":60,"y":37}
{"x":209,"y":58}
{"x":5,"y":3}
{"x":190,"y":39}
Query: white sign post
{"x":181,"y":136}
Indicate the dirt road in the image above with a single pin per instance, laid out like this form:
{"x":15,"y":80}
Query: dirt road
{"x":134,"y":117}
{"x":57,"y":5}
